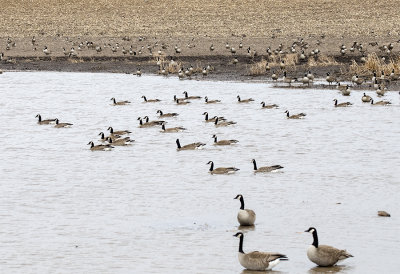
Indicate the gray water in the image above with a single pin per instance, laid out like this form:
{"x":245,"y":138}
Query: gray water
{"x":149,"y":208}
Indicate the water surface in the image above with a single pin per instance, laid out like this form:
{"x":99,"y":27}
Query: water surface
{"x":151,"y":209}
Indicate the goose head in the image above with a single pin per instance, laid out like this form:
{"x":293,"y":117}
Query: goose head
{"x":210,"y":162}
{"x":159,"y":111}
{"x":110,"y":129}
{"x":311,"y":230}
{"x":238,"y":196}
{"x":238,"y":235}
{"x":238,"y":97}
{"x":91,"y":143}
{"x":205,"y":113}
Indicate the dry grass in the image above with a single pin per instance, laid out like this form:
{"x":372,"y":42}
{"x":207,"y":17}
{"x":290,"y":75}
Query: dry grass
{"x":258,"y":68}
{"x":321,"y":60}
{"x":374,"y":63}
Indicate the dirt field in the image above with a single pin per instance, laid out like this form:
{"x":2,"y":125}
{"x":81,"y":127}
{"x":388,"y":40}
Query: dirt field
{"x":192,"y":26}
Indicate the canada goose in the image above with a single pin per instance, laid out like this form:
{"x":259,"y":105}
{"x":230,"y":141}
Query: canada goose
{"x":265,"y":168}
{"x":44,"y":122}
{"x":60,"y":125}
{"x":119,"y":142}
{"x":100,"y":147}
{"x":211,"y":101}
{"x":192,"y":146}
{"x":138,"y":72}
{"x":380,"y":103}
{"x":176,"y":98}
{"x":143,"y":125}
{"x":305,"y":80}
{"x":150,"y":100}
{"x":380,"y":91}
{"x":274,"y":76}
{"x":153,"y":123}
{"x":190,"y":97}
{"x":245,"y":217}
{"x":257,"y":260}
{"x":345,"y":90}
{"x":223,"y":142}
{"x":103,"y":138}
{"x":310,"y":76}
{"x":296,"y":116}
{"x":244,"y":101}
{"x":212,"y":47}
{"x":366,"y":98}
{"x":393,"y":76}
{"x":165,"y":115}
{"x":330,"y":79}
{"x":46,"y":50}
{"x":358,"y":81}
{"x":263,"y":105}
{"x":221,"y":170}
{"x":181,"y":102}
{"x":345,"y":104}
{"x":324,"y":255}
{"x":223,"y":123}
{"x":211,"y":119}
{"x":288,"y":80}
{"x":119,"y":103}
{"x":172,"y":129}
{"x":118,"y":132}
{"x":282,"y":65}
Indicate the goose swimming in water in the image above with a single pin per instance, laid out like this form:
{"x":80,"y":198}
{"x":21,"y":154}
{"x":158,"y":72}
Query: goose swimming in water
{"x":223,"y":142}
{"x":192,"y":146}
{"x":44,"y":122}
{"x":99,"y":147}
{"x":61,"y":125}
{"x":221,"y":170}
{"x":256,"y":260}
{"x":119,"y":103}
{"x":324,"y":255}
{"x":264,"y":168}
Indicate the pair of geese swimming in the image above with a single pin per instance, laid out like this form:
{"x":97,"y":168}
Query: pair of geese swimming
{"x":322,"y":255}
{"x":52,"y":121}
{"x":231,"y":170}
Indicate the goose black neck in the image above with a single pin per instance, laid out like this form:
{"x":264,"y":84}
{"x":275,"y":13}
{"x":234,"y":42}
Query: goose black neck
{"x":215,"y":139}
{"x":161,"y":113}
{"x":287,"y":114}
{"x":111,"y":130}
{"x":144,"y":98}
{"x":114,"y":101}
{"x":102,"y":135}
{"x":163,"y":127}
{"x":315,"y":237}
{"x":263,"y":104}
{"x":40,"y":118}
{"x":206,"y":117}
{"x":241,"y":203}
{"x":212,"y":166}
{"x":241,"y":245}
{"x":178,"y":143}
{"x":255,"y":165}
{"x":216,"y":120}
{"x":335,"y":102}
{"x":140,"y":122}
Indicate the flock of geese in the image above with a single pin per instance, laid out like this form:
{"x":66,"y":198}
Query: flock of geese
{"x":322,"y":255}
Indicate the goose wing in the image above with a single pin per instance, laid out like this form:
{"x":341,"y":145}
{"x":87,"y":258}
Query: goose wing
{"x":264,"y":257}
{"x":331,"y":254}
{"x":268,"y":168}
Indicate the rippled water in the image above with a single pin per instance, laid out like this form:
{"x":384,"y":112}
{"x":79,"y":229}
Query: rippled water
{"x":151,"y":209}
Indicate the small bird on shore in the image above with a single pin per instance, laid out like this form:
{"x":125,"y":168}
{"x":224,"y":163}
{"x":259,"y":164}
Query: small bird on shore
{"x":138,"y":72}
